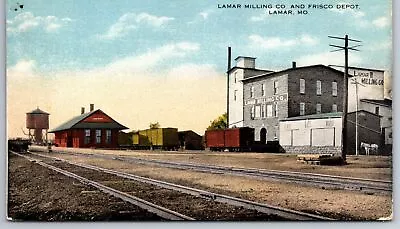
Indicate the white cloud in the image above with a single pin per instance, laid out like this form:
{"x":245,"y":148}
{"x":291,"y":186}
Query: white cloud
{"x":277,"y":42}
{"x":384,"y":45}
{"x":328,"y":58}
{"x":134,"y":90}
{"x":23,"y":67}
{"x":131,"y":21}
{"x":26,"y":21}
{"x":358,"y":18}
{"x":205,"y":14}
{"x":147,"y":61}
{"x":381,"y":22}
{"x":261,"y":17}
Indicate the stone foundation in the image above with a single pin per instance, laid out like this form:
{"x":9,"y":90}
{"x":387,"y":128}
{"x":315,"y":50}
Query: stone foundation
{"x":312,"y":149}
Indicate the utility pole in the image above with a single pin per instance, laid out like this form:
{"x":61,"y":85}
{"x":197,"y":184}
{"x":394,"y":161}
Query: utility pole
{"x":345,"y":87}
{"x":227,"y":86}
{"x":355,"y":81}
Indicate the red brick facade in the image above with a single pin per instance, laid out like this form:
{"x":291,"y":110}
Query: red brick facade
{"x":76,"y":139}
{"x":89,"y":132}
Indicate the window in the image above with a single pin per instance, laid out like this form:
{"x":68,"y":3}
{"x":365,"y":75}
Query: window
{"x":87,"y":136}
{"x":302,"y":108}
{"x":263,"y":89}
{"x":252,"y":112}
{"x":329,"y":123}
{"x":302,"y":86}
{"x":234,"y":94}
{"x":263,"y":111}
{"x":258,"y":111}
{"x":275,"y":87}
{"x":319,"y":87}
{"x":108,"y":136}
{"x":377,"y":110}
{"x":318,"y":107}
{"x":98,"y":136}
{"x":334,"y":88}
{"x":334,"y":108}
{"x":269,"y":110}
{"x":252,"y":92}
{"x":275,"y":110}
{"x":235,"y":76}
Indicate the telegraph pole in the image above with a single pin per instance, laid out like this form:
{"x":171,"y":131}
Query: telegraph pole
{"x":355,"y":81}
{"x":227,"y":86}
{"x":345,"y":87}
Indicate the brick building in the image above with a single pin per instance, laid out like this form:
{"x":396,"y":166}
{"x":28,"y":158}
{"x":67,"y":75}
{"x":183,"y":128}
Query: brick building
{"x":92,"y":129}
{"x":270,"y":96}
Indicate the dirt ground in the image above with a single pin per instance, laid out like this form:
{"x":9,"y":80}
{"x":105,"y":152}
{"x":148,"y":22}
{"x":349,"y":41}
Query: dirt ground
{"x":370,"y":167}
{"x":340,"y":204}
{"x":39,"y":194}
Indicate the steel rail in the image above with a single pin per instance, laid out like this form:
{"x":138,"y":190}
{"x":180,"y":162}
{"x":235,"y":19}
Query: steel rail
{"x":261,"y":207}
{"x":158,"y":210}
{"x":310,"y":179}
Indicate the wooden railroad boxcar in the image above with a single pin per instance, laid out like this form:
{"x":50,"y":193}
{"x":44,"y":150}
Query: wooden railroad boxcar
{"x":19,"y":145}
{"x":157,"y":138}
{"x":234,"y":139}
{"x":124,"y":139}
{"x":190,"y":140}
{"x":215,"y":139}
{"x":239,"y":139}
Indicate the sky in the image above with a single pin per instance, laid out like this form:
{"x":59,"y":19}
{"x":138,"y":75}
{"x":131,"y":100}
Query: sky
{"x":166,"y":61}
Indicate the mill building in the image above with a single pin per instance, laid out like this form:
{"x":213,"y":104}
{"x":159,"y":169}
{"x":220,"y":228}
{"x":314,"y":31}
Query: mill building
{"x":270,"y":96}
{"x":269,"y":101}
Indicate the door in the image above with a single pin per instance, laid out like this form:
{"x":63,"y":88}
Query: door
{"x":69,"y":141}
{"x":263,"y":136}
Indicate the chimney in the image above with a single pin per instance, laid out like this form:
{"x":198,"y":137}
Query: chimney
{"x":82,"y":110}
{"x":294,"y":64}
{"x":91,"y":107}
{"x":229,"y":58}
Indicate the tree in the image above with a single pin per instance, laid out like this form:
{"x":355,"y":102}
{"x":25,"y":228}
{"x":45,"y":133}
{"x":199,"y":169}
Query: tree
{"x":154,"y":125}
{"x":218,"y":123}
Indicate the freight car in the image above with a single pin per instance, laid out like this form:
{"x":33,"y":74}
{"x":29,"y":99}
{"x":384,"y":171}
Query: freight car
{"x":233,"y":139}
{"x":125,"y":139}
{"x":18,"y":145}
{"x":190,"y":140}
{"x":156,"y":138}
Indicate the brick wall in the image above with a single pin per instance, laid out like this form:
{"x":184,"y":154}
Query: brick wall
{"x":271,"y":124}
{"x":310,"y":97}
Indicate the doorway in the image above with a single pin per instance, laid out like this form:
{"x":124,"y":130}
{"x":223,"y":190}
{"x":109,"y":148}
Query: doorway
{"x":263,"y":136}
{"x":69,"y":141}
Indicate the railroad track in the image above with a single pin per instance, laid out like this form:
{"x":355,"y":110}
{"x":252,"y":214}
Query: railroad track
{"x":323,"y":181}
{"x":156,"y":209}
{"x":251,"y":207}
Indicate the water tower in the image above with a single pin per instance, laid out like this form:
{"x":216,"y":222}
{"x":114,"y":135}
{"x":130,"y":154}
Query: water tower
{"x":37,"y":120}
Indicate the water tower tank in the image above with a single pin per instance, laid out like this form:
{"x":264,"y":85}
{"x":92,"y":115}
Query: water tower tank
{"x":37,"y":120}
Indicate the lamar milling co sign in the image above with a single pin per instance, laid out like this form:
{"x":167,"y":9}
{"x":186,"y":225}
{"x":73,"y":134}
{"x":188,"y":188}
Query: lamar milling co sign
{"x":269,"y":99}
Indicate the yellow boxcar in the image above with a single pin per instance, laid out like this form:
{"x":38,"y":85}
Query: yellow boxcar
{"x":163,"y":138}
